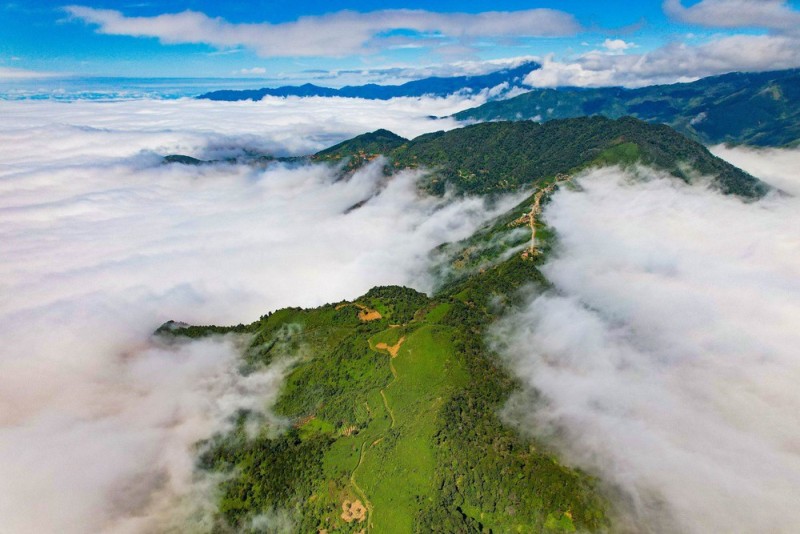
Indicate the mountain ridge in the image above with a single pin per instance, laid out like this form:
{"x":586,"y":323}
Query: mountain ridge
{"x":761,"y":108}
{"x":439,"y":86}
{"x":506,"y":156}
{"x":498,"y":157}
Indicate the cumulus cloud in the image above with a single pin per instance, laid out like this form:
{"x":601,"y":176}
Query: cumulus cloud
{"x":101,"y":243}
{"x":666,"y":356}
{"x":674,"y":62}
{"x":335,"y":34}
{"x":775,"y":15}
{"x":679,"y":61}
{"x":617,"y":45}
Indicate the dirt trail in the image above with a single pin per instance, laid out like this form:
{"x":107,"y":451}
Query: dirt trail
{"x":536,"y":208}
{"x":392,"y":350}
{"x":367,"y":504}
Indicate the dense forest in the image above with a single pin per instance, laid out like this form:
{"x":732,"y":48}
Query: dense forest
{"x":505,"y":156}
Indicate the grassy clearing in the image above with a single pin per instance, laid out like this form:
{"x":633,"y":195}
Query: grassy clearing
{"x":398,"y":472}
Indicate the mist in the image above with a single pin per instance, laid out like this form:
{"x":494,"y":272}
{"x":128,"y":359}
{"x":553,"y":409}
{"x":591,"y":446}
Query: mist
{"x":100,"y":243}
{"x":281,"y":126}
{"x":666,"y":356}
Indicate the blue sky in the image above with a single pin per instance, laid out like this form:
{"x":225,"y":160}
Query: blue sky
{"x":585,"y":42}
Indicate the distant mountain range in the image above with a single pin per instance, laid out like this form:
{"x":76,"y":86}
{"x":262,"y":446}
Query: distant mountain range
{"x":433,"y":86}
{"x":761,"y":109}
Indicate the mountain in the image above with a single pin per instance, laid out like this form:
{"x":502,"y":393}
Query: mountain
{"x":393,"y":400}
{"x":506,"y":156}
{"x":761,"y":109}
{"x":498,"y":157}
{"x":433,"y":86}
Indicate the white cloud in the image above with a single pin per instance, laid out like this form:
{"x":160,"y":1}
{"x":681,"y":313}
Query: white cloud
{"x":335,"y":34}
{"x":776,"y":166}
{"x":617,"y":45}
{"x":406,"y":72}
{"x":675,"y":62}
{"x":254,"y":70}
{"x":101,"y":243}
{"x":291,"y":125}
{"x":769,"y":14}
{"x":666,"y":356}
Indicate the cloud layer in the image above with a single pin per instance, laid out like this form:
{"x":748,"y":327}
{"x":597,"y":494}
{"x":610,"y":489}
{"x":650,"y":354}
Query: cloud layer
{"x":778,"y":47}
{"x":674,"y":62}
{"x":776,"y":15}
{"x":283,"y":126}
{"x":666,"y":356}
{"x":333,"y":35}
{"x":101,"y":243}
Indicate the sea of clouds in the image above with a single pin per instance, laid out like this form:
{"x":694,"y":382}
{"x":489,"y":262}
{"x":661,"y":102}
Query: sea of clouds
{"x":667,"y":355}
{"x":100,"y":243}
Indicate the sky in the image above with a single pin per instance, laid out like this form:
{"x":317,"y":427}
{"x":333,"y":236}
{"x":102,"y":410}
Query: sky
{"x":337,"y":42}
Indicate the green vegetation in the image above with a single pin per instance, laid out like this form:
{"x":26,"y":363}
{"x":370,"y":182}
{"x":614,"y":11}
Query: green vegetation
{"x":398,"y":414}
{"x":391,"y":402}
{"x":499,"y":157}
{"x":361,"y":149}
{"x":761,"y":109}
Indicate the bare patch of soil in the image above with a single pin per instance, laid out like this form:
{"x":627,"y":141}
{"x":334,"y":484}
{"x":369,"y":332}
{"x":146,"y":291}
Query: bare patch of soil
{"x":391,"y":349}
{"x":353,"y":511}
{"x":367,"y":315}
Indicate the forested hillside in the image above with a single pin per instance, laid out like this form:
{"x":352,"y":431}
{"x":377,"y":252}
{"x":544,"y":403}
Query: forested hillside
{"x":761,"y":109}
{"x":505,"y":156}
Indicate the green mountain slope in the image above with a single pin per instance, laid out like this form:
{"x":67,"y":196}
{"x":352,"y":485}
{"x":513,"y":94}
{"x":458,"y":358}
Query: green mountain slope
{"x":392,"y":404}
{"x":761,"y":109}
{"x":506,"y":156}
{"x":392,"y":401}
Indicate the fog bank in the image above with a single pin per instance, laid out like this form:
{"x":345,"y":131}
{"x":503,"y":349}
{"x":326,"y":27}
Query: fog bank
{"x":667,"y":354}
{"x":100,"y":243}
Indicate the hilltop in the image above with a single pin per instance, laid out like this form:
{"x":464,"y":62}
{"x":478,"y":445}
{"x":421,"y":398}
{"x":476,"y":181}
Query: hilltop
{"x":761,"y":109}
{"x":506,"y":156}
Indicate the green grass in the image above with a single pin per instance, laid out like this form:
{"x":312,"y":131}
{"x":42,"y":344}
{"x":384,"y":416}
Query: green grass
{"x":415,"y":438}
{"x":436,"y":314}
{"x":397,"y":472}
{"x":621,"y":154}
